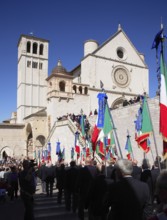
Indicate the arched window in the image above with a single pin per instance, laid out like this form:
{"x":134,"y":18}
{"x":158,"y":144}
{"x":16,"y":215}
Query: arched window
{"x":62,"y":86}
{"x":41,"y":49}
{"x":117,"y":103}
{"x":85,"y":90}
{"x":28,"y":47}
{"x":75,"y":88}
{"x":35,"y":46}
{"x":80,"y":89}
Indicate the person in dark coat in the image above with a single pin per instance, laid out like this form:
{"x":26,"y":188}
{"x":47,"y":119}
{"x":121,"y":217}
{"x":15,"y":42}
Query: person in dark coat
{"x":60,"y":181}
{"x":71,"y":197}
{"x":147,"y":177}
{"x":85,"y":179}
{"x":13,"y":181}
{"x":96,"y":194}
{"x":155,"y":171}
{"x":27,"y":189}
{"x":161,"y":191}
{"x":136,"y":170}
{"x":128,"y":198}
{"x":110,"y":170}
{"x":49,"y":178}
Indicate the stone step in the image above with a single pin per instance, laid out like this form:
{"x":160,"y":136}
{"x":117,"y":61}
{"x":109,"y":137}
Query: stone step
{"x":61,"y":215}
{"x":47,"y":208}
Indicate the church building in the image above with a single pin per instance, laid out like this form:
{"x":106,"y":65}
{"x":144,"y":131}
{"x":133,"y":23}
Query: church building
{"x":43,"y":98}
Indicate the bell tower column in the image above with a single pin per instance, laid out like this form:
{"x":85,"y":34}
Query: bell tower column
{"x":32,"y":74}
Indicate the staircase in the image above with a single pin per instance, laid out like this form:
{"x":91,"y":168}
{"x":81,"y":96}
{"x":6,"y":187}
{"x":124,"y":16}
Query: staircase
{"x":47,"y":208}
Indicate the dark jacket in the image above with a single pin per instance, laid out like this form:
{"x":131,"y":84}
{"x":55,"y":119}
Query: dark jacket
{"x":129,"y":199}
{"x":27,"y":181}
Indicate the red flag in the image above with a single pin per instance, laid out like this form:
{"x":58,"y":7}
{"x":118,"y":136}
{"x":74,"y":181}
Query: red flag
{"x":87,"y":152}
{"x":95,"y":135}
{"x":77,"y":147}
{"x":129,"y":156}
{"x":142,"y":141}
{"x":164,"y":149}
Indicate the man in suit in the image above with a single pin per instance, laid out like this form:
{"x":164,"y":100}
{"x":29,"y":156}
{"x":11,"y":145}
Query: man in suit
{"x":136,"y":170}
{"x":155,"y":171}
{"x":111,"y":170}
{"x":27,"y":189}
{"x":71,"y":197}
{"x":146,"y":176}
{"x":85,"y":179}
{"x":128,"y":198}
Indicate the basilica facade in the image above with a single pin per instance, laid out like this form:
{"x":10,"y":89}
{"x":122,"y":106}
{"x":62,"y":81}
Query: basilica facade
{"x":44,"y":97}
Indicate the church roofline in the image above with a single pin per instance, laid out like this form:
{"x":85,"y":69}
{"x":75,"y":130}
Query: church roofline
{"x":112,"y":37}
{"x":41,"y":112}
{"x":77,"y":67}
{"x":31,"y":37}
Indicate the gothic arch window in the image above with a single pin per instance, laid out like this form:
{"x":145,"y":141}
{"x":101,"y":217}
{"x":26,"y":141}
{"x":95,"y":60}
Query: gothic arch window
{"x":85,"y":90}
{"x":80,"y":89}
{"x":75,"y":88}
{"x":41,"y":49}
{"x":35,"y":46}
{"x":28,"y":47}
{"x":62,"y":86}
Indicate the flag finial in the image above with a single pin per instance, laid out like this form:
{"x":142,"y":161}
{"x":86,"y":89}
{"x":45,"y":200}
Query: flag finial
{"x":119,"y":27}
{"x":101,"y":85}
{"x":162,"y":26}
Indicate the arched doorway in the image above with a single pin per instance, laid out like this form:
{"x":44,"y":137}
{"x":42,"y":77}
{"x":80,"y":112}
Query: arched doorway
{"x":29,"y":147}
{"x":39,"y":144}
{"x":6,"y":152}
{"x":4,"y":155}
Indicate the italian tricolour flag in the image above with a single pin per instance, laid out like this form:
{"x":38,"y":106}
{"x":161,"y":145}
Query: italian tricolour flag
{"x":163,"y":99}
{"x":163,"y":103}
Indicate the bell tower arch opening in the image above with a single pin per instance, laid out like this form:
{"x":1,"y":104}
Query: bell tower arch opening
{"x":62,"y":86}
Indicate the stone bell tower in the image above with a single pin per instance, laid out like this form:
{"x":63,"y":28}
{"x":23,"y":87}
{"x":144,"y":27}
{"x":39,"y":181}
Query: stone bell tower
{"x":32,"y":74}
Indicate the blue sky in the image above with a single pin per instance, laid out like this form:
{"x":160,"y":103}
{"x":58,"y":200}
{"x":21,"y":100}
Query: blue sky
{"x":67,"y":24}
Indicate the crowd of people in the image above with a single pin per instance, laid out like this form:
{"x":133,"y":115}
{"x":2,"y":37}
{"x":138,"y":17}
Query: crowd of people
{"x":121,"y":190}
{"x":77,"y":121}
{"x":117,"y":191}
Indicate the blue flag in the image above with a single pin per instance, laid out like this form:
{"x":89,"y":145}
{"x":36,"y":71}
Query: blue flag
{"x":49,"y":147}
{"x":138,"y":122}
{"x":157,"y":39}
{"x":72,"y":153}
{"x":58,"y":150}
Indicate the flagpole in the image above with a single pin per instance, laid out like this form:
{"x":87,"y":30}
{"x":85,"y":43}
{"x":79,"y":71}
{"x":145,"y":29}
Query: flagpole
{"x":155,"y":143}
{"x":114,"y":128}
{"x":104,"y":138}
{"x":131,"y":146}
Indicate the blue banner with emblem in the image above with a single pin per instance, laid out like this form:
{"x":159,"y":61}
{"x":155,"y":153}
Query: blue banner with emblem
{"x":102,"y":97}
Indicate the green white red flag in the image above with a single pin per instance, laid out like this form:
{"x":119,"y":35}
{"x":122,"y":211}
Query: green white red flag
{"x":163,"y":98}
{"x":143,"y":127}
{"x":162,"y":73}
